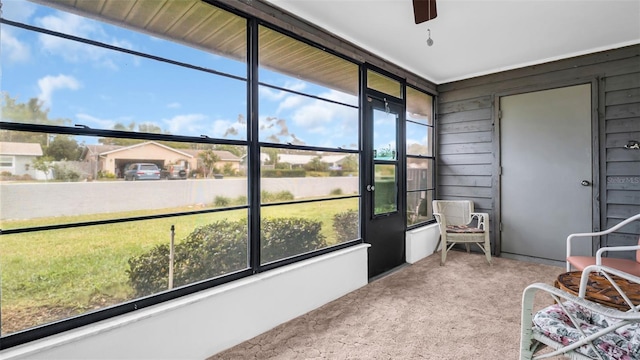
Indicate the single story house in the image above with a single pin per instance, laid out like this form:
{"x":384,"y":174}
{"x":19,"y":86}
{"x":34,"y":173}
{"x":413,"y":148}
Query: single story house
{"x":114,"y":158}
{"x":17,"y":159}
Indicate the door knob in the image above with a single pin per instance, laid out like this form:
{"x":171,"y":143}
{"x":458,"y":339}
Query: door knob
{"x":585,"y":183}
{"x":370,"y":187}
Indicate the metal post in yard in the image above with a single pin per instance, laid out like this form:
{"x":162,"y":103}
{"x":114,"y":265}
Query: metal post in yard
{"x":171,"y":254}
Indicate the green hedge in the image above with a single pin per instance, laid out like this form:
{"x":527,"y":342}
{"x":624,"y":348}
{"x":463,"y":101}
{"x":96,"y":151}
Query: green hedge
{"x":209,"y":251}
{"x":346,"y":225}
{"x":220,"y":248}
{"x":285,"y":237}
{"x":283,"y":173}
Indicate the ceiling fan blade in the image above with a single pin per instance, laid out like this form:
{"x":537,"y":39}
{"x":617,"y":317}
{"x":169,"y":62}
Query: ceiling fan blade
{"x":424,"y":10}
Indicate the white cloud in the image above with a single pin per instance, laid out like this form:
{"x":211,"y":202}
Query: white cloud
{"x":187,"y":124}
{"x":275,"y":95}
{"x":290,"y":102}
{"x":174,"y":105}
{"x":19,"y":11}
{"x":316,"y":116}
{"x":13,"y":50}
{"x":49,"y":84}
{"x":228,"y":129}
{"x":271,"y":94}
{"x":295,"y":86}
{"x":340,"y":97}
{"x":76,"y":52}
{"x":94,"y":122}
{"x":74,"y":25}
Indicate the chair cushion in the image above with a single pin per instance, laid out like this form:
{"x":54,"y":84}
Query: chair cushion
{"x":463,"y":229}
{"x":629,"y":266}
{"x":622,"y":343}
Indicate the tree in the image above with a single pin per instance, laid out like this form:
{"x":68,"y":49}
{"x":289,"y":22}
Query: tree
{"x":316,"y":164}
{"x":228,"y":169}
{"x":349,"y":163}
{"x":31,"y":112}
{"x":209,"y":159}
{"x":150,"y":128}
{"x":44,"y":164}
{"x":63,"y":147}
{"x":238,"y":151}
{"x":418,"y":149}
{"x":145,"y":127}
{"x":273,"y":157}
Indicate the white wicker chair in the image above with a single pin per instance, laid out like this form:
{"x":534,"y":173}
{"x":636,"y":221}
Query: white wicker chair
{"x":460,"y":224}
{"x":578,"y":328}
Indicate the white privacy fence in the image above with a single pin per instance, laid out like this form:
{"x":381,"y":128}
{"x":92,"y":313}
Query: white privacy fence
{"x":41,"y":199}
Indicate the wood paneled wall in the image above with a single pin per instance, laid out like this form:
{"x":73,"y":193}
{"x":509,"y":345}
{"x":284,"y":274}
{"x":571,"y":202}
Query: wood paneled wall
{"x":467,"y":163}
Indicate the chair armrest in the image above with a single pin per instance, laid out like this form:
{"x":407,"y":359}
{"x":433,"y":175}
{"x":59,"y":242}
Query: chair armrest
{"x":599,"y":233}
{"x":614,"y":248}
{"x":441,"y":220}
{"x":483,"y":220}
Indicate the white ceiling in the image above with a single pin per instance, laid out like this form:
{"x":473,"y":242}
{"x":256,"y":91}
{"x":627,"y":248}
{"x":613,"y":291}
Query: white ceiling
{"x":475,"y":37}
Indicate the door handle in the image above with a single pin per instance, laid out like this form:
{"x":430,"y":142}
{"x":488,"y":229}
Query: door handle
{"x":370,"y":187}
{"x":585,"y":183}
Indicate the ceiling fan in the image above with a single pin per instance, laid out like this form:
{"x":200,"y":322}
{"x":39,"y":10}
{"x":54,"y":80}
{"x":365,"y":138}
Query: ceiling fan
{"x":424,"y":10}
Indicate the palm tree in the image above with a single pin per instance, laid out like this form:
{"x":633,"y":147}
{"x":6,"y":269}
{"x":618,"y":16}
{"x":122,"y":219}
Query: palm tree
{"x":209,"y":159}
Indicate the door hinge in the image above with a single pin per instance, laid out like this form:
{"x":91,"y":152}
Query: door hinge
{"x":499,"y":114}
{"x":499,"y":170}
{"x":500,"y":226}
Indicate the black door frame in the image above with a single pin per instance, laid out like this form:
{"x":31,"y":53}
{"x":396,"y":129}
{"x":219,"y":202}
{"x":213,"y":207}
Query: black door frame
{"x":386,"y":232}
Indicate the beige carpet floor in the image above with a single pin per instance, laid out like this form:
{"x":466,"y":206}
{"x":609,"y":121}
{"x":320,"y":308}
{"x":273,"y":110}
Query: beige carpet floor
{"x":463,"y":310}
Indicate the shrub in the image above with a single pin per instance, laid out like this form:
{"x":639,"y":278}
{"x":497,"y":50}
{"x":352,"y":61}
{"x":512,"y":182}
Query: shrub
{"x":209,"y":251}
{"x":197,"y":173}
{"x":228,"y":170}
{"x":220,"y":248}
{"x":284,"y":195}
{"x":240,"y":200}
{"x":280,"y":173}
{"x":336,"y":191}
{"x":285,"y":237}
{"x":103,"y":174}
{"x":346,"y":225}
{"x":221,"y":201}
{"x":63,"y":173}
{"x":283,"y":166}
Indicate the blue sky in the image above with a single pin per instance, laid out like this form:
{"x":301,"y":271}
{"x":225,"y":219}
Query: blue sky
{"x":99,"y":88}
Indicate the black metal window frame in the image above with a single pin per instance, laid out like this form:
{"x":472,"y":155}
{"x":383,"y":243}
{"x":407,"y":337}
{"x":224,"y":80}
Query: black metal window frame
{"x":432,"y":157}
{"x":253,"y":177}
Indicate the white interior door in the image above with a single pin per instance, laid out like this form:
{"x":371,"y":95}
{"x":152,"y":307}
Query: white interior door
{"x":546,"y":155}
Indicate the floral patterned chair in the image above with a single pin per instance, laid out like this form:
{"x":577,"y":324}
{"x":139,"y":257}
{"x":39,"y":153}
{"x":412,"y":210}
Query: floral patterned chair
{"x":579,"y":328}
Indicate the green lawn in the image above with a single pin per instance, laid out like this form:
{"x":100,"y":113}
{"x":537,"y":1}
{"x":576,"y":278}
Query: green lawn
{"x":85,"y":268}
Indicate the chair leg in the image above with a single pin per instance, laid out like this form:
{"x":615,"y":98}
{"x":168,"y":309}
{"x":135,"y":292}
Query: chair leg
{"x":444,"y":253}
{"x":488,"y":254}
{"x":487,"y":248}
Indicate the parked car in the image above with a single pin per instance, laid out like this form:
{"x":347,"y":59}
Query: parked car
{"x":174,"y":172}
{"x":142,"y":171}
